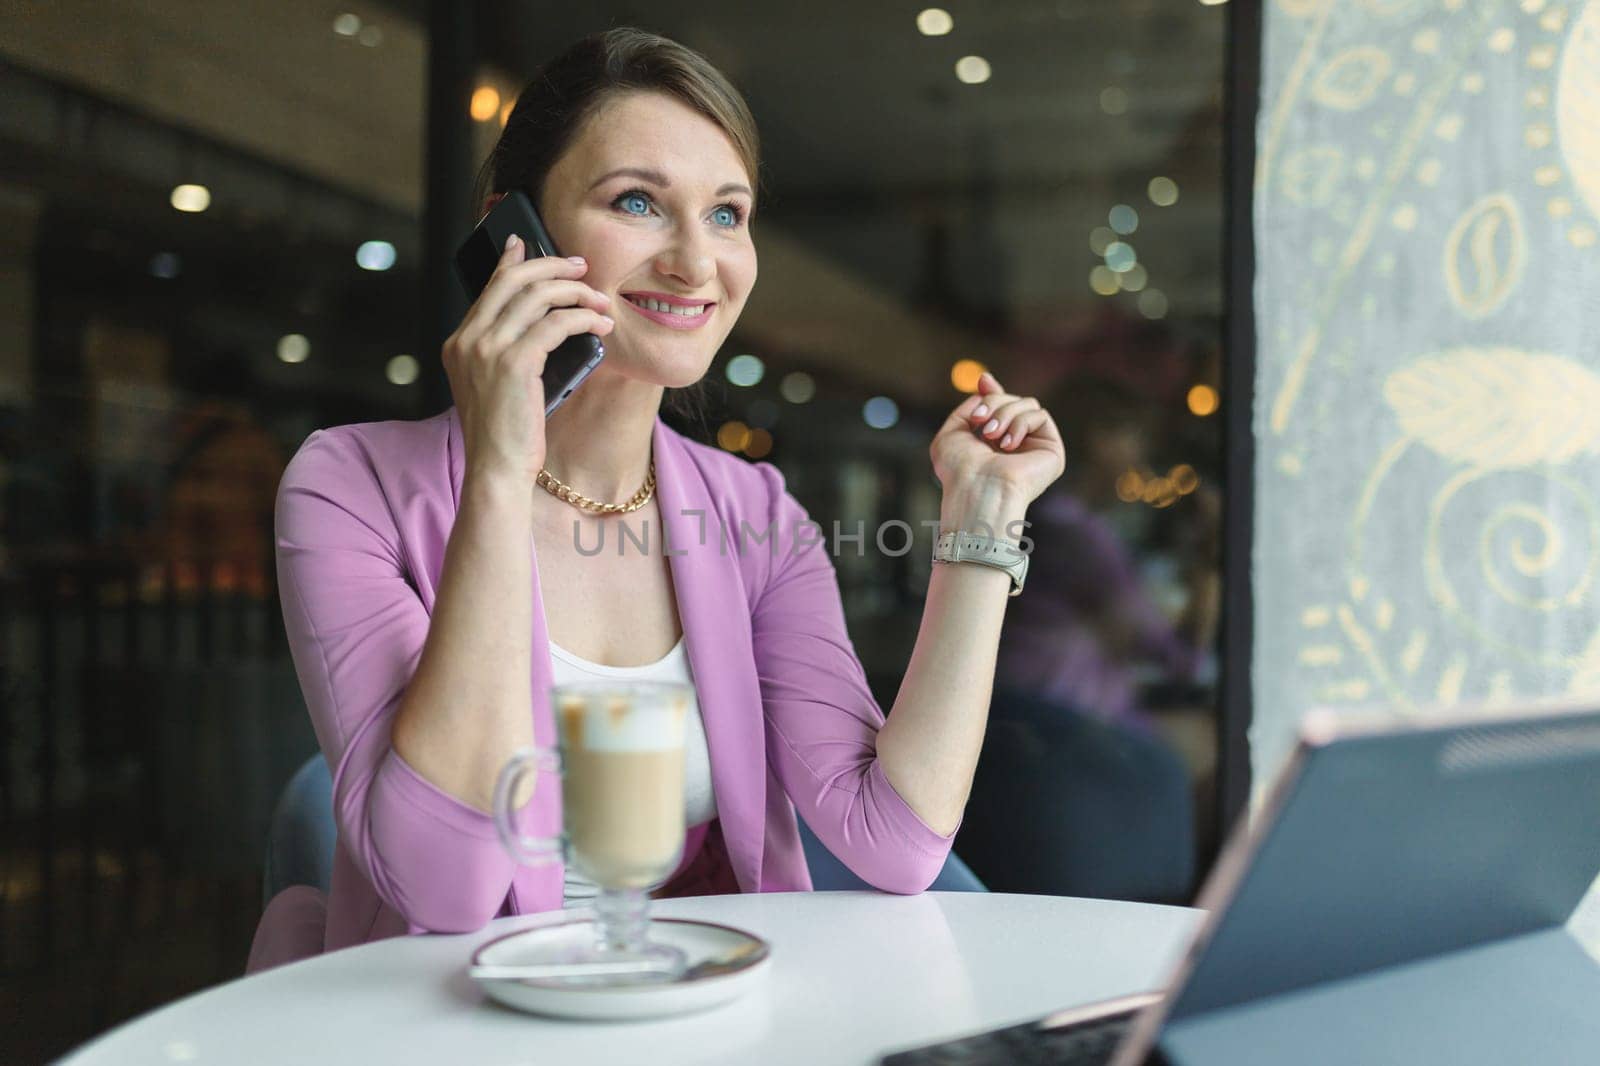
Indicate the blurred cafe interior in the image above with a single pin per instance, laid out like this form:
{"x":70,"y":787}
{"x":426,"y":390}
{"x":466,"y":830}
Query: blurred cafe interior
{"x":229,"y":225}
{"x":216,"y":244}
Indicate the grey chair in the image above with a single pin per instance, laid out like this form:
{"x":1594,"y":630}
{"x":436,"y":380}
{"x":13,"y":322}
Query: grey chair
{"x":1064,"y":804}
{"x":301,"y":840}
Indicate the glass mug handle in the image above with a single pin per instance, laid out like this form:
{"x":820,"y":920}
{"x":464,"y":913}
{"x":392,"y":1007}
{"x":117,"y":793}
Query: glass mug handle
{"x":527,"y":850}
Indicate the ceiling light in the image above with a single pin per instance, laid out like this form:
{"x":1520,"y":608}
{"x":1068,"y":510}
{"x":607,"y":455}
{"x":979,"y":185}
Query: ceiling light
{"x":191,"y":198}
{"x":402,"y":370}
{"x":375,"y":255}
{"x":293,"y":348}
{"x":935,"y":22}
{"x":973,"y":70}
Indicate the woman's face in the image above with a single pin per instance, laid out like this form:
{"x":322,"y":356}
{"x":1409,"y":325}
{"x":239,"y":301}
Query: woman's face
{"x":655,"y":197}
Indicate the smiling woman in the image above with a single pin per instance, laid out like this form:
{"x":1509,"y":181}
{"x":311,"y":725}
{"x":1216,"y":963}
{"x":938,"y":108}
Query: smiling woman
{"x":639,"y":94}
{"x":427,"y":636}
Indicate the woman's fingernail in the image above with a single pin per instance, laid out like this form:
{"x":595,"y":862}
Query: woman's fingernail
{"x":575,"y":260}
{"x":992,"y":425}
{"x":1005,"y":441}
{"x":980,"y":410}
{"x":511,"y":242}
{"x":608,"y":320}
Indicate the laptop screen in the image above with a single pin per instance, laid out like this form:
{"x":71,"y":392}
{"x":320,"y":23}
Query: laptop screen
{"x":1395,"y":847}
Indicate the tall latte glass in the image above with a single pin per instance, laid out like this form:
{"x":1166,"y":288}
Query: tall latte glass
{"x":620,"y":768}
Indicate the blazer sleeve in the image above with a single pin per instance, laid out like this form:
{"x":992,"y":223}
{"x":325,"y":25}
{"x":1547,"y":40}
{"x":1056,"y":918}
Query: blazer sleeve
{"x":822,"y":720}
{"x":356,"y":627}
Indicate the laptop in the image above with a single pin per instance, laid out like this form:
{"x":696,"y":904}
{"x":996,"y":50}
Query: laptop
{"x":1402,"y":896}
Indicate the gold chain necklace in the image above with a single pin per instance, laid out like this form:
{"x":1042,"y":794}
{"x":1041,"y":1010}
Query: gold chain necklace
{"x":556,"y":488}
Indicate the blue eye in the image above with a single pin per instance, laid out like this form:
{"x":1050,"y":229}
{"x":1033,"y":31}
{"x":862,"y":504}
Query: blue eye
{"x":726,"y":215}
{"x":629,"y":198}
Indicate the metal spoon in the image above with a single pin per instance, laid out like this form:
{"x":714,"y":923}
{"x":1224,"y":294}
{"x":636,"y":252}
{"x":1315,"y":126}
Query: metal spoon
{"x":733,"y":960}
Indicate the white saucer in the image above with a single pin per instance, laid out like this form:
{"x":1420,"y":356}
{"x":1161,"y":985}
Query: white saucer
{"x":699,"y":941}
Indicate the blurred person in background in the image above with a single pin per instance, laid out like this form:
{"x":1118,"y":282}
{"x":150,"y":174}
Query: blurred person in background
{"x":1098,"y":626}
{"x":1069,"y":737}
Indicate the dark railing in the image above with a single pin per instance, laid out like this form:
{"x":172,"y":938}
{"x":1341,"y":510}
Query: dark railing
{"x":150,"y":714}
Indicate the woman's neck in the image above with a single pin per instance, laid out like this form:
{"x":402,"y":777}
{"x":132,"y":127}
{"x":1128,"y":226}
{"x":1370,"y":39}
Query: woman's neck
{"x":598,"y":441}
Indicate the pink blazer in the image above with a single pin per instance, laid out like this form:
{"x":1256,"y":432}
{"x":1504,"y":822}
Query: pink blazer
{"x":363,"y":516}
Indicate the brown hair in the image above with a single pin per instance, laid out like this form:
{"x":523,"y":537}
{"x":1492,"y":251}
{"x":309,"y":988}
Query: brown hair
{"x":568,"y":91}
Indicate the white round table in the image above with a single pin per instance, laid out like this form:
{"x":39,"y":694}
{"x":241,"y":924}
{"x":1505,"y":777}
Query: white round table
{"x":854,"y":975}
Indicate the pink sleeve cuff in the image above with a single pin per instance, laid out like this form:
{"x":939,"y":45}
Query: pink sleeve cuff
{"x":900,"y":814}
{"x":437,"y":860}
{"x":401,"y":779}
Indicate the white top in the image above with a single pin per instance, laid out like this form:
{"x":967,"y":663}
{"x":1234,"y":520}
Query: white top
{"x":854,"y":975}
{"x":699,"y":801}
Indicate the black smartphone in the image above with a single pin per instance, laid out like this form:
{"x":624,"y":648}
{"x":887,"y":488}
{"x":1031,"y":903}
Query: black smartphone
{"x":574,"y":358}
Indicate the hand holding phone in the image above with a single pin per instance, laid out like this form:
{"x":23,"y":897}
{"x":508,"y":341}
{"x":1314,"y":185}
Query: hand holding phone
{"x":498,"y":359}
{"x":514,"y":216}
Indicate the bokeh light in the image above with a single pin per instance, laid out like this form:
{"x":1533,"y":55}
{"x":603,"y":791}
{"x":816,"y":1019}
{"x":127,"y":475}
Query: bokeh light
{"x":191,"y":198}
{"x":965,"y":374}
{"x":935,"y":22}
{"x":797,"y":387}
{"x":973,"y":70}
{"x":1120,"y":256}
{"x":165,"y":265}
{"x":375,"y":255}
{"x":293,"y":348}
{"x":1163,"y":191}
{"x":1203,"y":400}
{"x":761,"y":414}
{"x":485,"y":103}
{"x":745,"y":370}
{"x":759,"y":444}
{"x":1123,"y":219}
{"x":733,"y":436}
{"x":880,"y":412}
{"x":1103,"y":280}
{"x":402,"y":370}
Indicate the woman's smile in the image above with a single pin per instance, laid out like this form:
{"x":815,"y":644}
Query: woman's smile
{"x":671,"y":312}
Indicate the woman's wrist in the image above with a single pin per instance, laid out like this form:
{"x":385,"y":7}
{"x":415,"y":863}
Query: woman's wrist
{"x":983,"y":505}
{"x":497,"y":487}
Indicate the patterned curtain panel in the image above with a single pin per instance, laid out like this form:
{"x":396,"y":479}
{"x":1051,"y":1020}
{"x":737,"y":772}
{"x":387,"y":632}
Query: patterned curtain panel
{"x":1428,"y":395}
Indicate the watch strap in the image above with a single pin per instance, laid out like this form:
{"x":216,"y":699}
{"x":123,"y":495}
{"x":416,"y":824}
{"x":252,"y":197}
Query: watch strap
{"x":959,"y":546}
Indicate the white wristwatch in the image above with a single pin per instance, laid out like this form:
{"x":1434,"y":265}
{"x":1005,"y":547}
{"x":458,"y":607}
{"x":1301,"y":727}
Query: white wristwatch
{"x":963,"y":547}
